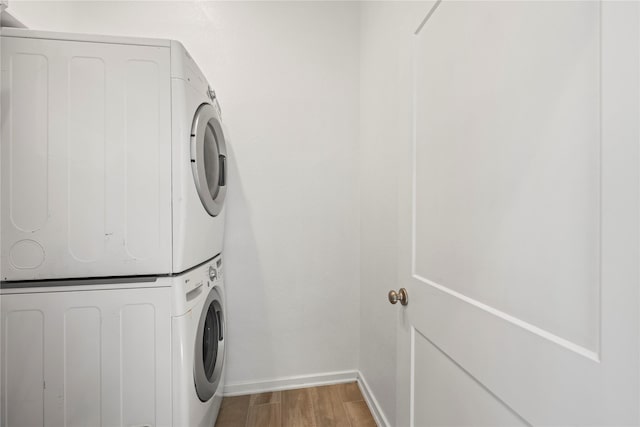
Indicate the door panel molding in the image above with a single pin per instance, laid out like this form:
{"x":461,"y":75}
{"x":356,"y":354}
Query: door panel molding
{"x":593,"y":354}
{"x":571,"y":346}
{"x":467,"y":376}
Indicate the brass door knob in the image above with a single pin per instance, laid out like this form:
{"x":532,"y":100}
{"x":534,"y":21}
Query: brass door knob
{"x":401,"y":296}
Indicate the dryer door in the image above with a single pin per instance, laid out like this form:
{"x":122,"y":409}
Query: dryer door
{"x":209,"y":351}
{"x":209,"y":158}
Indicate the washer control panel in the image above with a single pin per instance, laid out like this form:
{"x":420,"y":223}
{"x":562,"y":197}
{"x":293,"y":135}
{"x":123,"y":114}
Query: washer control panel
{"x":203,"y":277}
{"x":215,"y":270}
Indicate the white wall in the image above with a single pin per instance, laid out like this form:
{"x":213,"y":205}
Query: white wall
{"x":287,"y":77}
{"x":312,"y":231}
{"x":385,"y":128}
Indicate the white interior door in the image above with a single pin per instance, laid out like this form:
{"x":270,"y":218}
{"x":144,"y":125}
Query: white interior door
{"x":520,"y":217}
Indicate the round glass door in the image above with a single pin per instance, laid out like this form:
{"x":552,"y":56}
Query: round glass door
{"x":209,"y":159}
{"x":209,"y":349}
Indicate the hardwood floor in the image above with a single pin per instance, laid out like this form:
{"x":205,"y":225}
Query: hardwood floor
{"x":339,"y":405}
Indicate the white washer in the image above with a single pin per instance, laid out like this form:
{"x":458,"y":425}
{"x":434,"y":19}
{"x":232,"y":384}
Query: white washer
{"x":198,"y":317}
{"x":113,"y":157}
{"x":134,"y":352}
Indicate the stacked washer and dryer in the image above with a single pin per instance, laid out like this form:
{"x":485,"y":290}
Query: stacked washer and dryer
{"x":113,"y":180}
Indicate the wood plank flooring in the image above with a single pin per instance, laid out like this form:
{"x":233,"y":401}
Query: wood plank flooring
{"x":339,"y":405}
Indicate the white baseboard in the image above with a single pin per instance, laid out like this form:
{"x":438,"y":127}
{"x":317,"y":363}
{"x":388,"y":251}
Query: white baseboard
{"x":303,"y":381}
{"x":288,"y":383}
{"x":372,"y":403}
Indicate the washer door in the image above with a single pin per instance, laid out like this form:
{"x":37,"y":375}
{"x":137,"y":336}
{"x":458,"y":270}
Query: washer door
{"x":209,"y":158}
{"x":209,"y":351}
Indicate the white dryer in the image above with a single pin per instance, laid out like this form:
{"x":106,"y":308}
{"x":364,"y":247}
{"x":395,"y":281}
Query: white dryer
{"x":113,"y":157}
{"x":145,"y":351}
